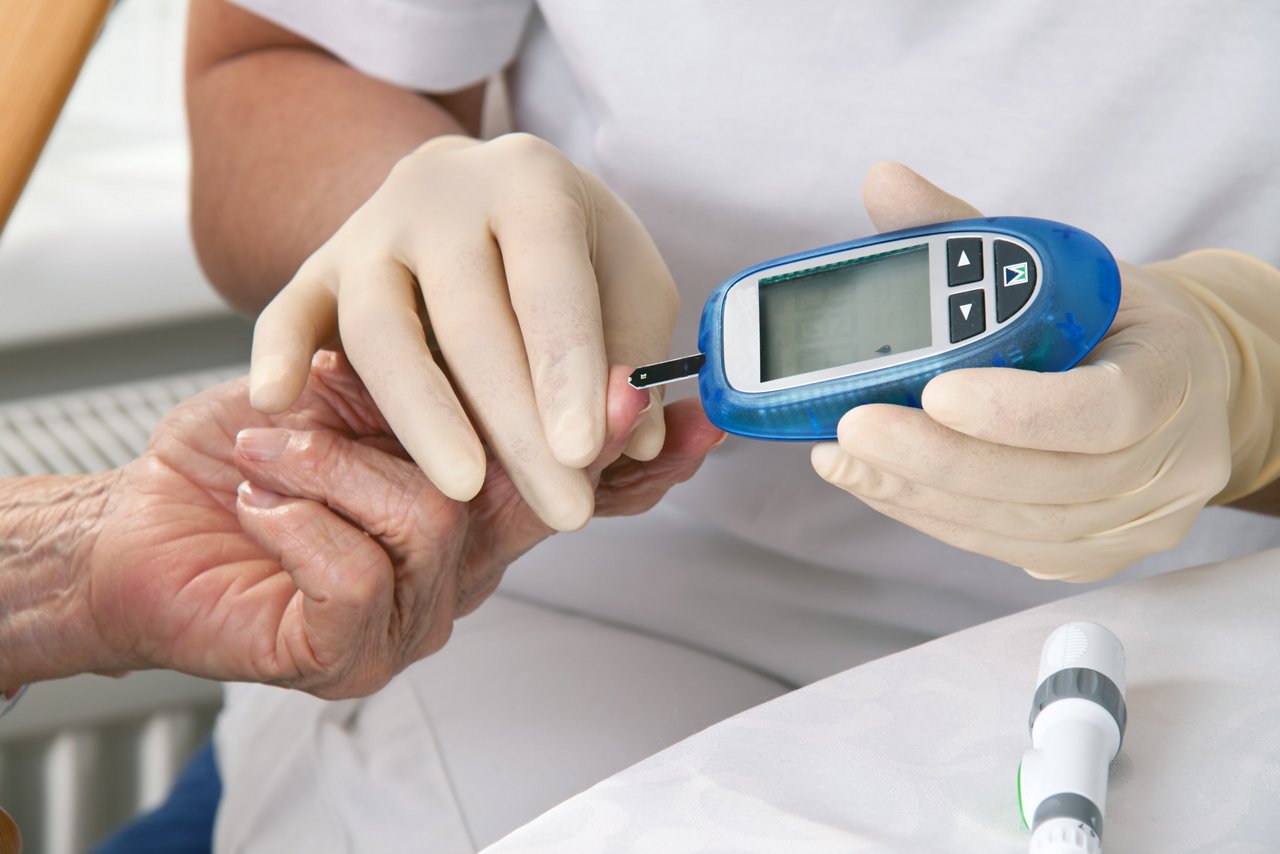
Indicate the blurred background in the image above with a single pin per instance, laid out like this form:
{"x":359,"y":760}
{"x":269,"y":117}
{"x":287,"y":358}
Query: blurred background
{"x":105,"y":323}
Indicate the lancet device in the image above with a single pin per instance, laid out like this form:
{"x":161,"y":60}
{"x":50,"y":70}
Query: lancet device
{"x":1077,"y":724}
{"x":790,"y":345}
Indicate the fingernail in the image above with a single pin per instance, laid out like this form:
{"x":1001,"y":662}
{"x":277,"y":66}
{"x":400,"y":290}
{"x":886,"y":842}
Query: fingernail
{"x":256,"y":496}
{"x":262,"y":444}
{"x":724,"y":437}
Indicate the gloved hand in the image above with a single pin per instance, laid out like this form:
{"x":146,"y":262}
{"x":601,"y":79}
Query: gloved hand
{"x":1075,"y":475}
{"x":528,"y":278}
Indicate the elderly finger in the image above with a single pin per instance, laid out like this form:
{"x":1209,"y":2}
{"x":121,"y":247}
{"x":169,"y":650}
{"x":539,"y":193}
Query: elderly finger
{"x":386,"y":497}
{"x":626,"y":409}
{"x":332,"y":632}
{"x":633,"y":486}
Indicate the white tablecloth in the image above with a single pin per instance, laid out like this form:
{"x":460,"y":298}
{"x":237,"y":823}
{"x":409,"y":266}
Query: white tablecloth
{"x":918,"y":752}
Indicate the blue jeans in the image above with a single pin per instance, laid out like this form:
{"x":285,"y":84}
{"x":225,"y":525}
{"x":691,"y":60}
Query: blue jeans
{"x":183,"y":824}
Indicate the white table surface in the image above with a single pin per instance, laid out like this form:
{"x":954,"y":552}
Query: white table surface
{"x":917,"y":752}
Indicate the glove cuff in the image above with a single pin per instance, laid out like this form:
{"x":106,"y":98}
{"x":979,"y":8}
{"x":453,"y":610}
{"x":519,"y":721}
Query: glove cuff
{"x":1240,"y":298}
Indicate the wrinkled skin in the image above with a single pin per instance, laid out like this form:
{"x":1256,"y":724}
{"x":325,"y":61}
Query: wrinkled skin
{"x":342,"y":563}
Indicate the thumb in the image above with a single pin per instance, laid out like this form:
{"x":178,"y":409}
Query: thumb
{"x":896,"y":197}
{"x":332,"y":639}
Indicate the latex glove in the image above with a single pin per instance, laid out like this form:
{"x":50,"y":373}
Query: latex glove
{"x":339,"y":566}
{"x":1075,"y":475}
{"x":529,"y":276}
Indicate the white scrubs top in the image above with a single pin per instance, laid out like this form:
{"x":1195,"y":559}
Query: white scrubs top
{"x":741,"y":131}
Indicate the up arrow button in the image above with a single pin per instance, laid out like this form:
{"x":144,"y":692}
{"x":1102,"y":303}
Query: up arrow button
{"x":964,"y":261}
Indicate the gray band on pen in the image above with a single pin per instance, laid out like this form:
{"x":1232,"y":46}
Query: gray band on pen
{"x":1072,"y":806}
{"x":1081,"y":683}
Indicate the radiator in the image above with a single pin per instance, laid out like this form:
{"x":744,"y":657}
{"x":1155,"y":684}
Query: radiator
{"x":79,"y":756}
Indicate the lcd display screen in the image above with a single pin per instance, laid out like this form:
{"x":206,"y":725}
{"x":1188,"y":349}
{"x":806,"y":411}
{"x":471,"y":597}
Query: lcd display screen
{"x":846,"y":312}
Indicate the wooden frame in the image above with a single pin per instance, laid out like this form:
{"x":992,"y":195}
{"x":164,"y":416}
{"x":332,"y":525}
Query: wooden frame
{"x":43,"y":43}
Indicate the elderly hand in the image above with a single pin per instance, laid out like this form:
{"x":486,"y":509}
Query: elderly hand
{"x":341,"y":563}
{"x":1075,"y":475}
{"x":529,"y":276}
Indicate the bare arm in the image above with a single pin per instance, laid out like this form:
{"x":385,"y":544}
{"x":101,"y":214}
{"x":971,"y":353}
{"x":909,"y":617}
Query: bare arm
{"x":286,"y":142}
{"x":46,"y":530}
{"x":302,"y":551}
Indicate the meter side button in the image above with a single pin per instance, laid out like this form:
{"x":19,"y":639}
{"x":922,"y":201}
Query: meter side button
{"x":964,"y":261}
{"x":1015,"y":279}
{"x":968,"y":312}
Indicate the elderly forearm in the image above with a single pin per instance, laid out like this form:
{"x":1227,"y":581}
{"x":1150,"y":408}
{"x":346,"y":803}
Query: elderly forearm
{"x":287,"y":141}
{"x":47,"y":528}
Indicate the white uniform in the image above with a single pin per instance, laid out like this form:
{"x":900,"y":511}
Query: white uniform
{"x":741,"y":131}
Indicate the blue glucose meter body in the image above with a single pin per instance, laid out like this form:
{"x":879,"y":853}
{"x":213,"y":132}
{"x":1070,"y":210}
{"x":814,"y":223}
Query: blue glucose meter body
{"x":793,"y":344}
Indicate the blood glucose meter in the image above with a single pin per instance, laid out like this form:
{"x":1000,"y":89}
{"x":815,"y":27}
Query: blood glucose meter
{"x":791,"y":345}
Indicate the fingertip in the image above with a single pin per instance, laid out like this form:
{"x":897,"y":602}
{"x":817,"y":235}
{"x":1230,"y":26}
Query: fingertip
{"x":858,"y":427}
{"x":460,"y":477}
{"x":896,"y":196}
{"x":649,"y":435}
{"x":275,"y":383}
{"x":571,"y":510}
{"x":577,"y":436}
{"x":825,"y":458}
{"x":448,"y":451}
{"x":884,"y":173}
{"x":626,"y":404}
{"x":622,"y":393}
{"x":836,"y":466}
{"x":955,"y":400}
{"x":257,"y":497}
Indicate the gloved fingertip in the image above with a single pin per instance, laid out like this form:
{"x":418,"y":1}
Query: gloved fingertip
{"x":1073,"y":574}
{"x":570,"y":510}
{"x":459,"y":480}
{"x":450,"y":454}
{"x":835,"y":466}
{"x":886,"y":172}
{"x":272,"y":386}
{"x":896,"y":196}
{"x":825,"y":459}
{"x":860,"y":428}
{"x":577,"y":436}
{"x":952,"y":400}
{"x":648,"y":437}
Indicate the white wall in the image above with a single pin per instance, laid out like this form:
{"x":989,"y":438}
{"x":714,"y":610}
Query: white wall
{"x":99,"y":240}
